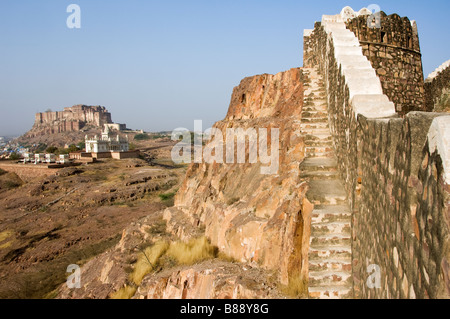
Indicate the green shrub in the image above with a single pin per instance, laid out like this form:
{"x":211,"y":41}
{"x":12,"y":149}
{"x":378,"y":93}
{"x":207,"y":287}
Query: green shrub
{"x":11,"y":184}
{"x":81,"y":145}
{"x":142,"y":137}
{"x":73,"y":148}
{"x":14,"y":156}
{"x":166,"y":197}
{"x":51,"y":149}
{"x":41,"y":148}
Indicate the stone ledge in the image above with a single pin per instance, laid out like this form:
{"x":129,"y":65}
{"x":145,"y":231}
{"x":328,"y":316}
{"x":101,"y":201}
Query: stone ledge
{"x":439,"y":139}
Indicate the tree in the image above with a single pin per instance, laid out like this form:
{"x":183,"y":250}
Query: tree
{"x":41,"y":148}
{"x":72,"y":148}
{"x":14,"y":156}
{"x":141,"y":137}
{"x":81,"y":145}
{"x":51,"y":149}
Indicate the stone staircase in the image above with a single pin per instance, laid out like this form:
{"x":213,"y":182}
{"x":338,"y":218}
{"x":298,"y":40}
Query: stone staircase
{"x":330,"y":263}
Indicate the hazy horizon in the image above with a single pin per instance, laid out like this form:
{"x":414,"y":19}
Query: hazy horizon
{"x":159,"y":66}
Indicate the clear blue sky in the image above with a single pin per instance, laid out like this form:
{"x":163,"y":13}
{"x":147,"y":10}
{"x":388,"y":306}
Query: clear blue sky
{"x":159,"y":65}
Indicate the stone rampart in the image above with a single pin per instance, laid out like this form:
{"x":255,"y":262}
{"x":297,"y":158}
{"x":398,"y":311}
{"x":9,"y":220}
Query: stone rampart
{"x":437,"y":89}
{"x":396,"y":172}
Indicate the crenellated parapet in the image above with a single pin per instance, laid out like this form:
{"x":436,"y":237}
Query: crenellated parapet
{"x":437,"y":89}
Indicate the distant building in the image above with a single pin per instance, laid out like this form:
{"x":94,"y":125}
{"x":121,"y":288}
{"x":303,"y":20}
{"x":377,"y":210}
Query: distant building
{"x":116,"y":126}
{"x":106,"y":143}
{"x":50,"y":158}
{"x":64,"y":158}
{"x":39,"y":158}
{"x":109,"y":145}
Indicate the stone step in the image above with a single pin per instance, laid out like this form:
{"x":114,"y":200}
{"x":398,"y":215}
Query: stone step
{"x":317,"y":175}
{"x":320,"y":254}
{"x":319,"y":163}
{"x":322,"y":126}
{"x":329,"y":214}
{"x":314,"y":114}
{"x":360,"y":73}
{"x":342,"y":34}
{"x":318,"y":148}
{"x":335,"y":26}
{"x":331,"y":292}
{"x":347,"y":60}
{"x":327,"y":278}
{"x":366,"y":86}
{"x":316,"y":108}
{"x":315,"y":120}
{"x":330,"y":241}
{"x":330,"y":192}
{"x":330,"y":254}
{"x":361,"y":64}
{"x":319,"y":138}
{"x":320,"y":154}
{"x":347,"y":50}
{"x":373,"y":105}
{"x":317,"y":143}
{"x":339,"y":229}
{"x":346,"y":41}
{"x":317,"y":133}
{"x":331,"y":265}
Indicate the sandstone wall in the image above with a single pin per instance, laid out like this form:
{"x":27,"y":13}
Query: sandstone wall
{"x":437,"y":89}
{"x":394,"y":52}
{"x":397,"y":183}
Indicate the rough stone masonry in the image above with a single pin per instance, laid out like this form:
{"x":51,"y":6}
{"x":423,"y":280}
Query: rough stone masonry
{"x":395,"y":166}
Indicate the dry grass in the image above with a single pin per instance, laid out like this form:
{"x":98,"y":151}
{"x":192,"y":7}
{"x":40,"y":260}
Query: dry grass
{"x":163,"y":255}
{"x":7,"y":245}
{"x":297,"y":287}
{"x":124,"y":293}
{"x":5,"y":235}
{"x":148,"y":261}
{"x":192,"y":252}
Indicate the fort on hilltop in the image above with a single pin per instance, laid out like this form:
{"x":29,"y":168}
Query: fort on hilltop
{"x":72,"y":119}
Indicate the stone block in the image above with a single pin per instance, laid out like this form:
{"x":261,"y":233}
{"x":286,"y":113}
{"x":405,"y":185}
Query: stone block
{"x":373,"y":105}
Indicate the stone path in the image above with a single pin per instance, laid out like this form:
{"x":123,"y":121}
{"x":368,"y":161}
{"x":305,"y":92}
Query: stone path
{"x":330,"y":263}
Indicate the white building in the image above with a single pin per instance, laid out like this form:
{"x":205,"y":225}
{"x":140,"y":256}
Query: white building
{"x":106,"y":143}
{"x":39,"y":158}
{"x":50,"y":158}
{"x":64,"y":158}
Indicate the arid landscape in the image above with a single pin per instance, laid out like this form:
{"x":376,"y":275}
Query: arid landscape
{"x":329,"y":180}
{"x":74,"y":214}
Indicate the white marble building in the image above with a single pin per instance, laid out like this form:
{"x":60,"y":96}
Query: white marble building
{"x":106,"y":143}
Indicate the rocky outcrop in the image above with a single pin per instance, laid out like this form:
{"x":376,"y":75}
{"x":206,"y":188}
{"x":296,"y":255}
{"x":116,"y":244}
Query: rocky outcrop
{"x":250,"y":216}
{"x":216,"y":278}
{"x":209,"y":280}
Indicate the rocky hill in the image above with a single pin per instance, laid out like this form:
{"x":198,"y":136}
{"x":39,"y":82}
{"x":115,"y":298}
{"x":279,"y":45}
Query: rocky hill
{"x":67,"y":126}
